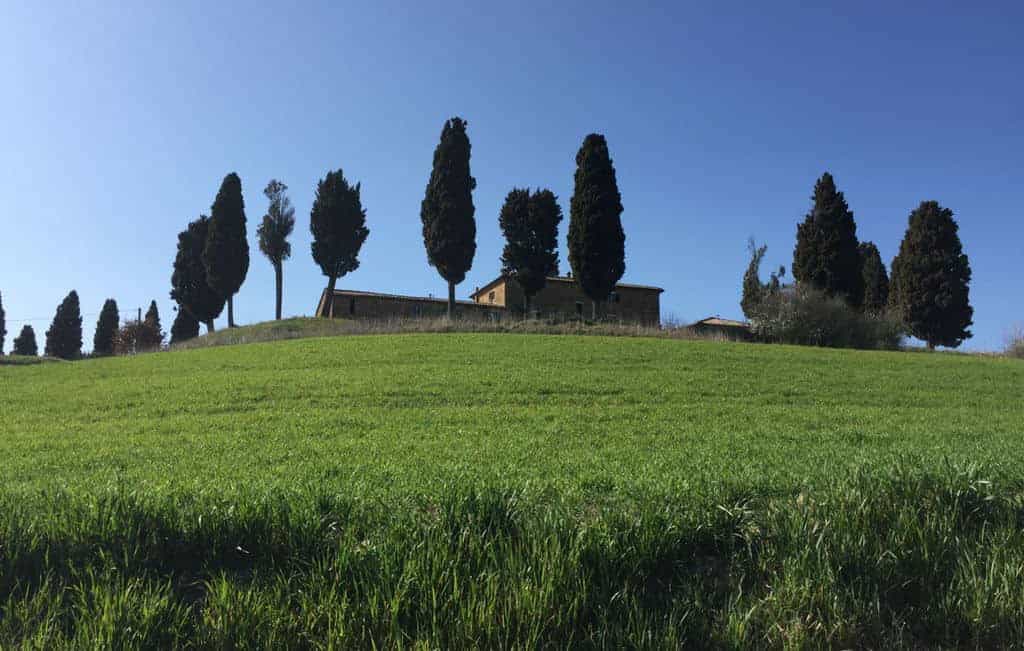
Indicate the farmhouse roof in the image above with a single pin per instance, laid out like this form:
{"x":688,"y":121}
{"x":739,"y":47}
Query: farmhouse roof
{"x":562,"y":279}
{"x":719,"y":321}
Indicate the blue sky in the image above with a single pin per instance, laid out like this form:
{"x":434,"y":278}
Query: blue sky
{"x":121,"y":121}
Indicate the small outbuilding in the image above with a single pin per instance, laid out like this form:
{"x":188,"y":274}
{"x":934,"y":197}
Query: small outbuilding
{"x":727,"y":328}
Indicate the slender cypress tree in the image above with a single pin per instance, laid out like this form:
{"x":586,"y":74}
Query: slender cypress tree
{"x":106,"y":328}
{"x":597,"y":242}
{"x":449,"y":229}
{"x":226,"y":252}
{"x":152,"y":321}
{"x":274,"y":231}
{"x":3,"y":325}
{"x":876,"y":280}
{"x":25,"y":343}
{"x":189,"y":286}
{"x":64,"y":338}
{"x":753,"y":289}
{"x":338,"y":224}
{"x":530,"y":224}
{"x":931,"y":275}
{"x":826,"y":255}
{"x":185,"y":327}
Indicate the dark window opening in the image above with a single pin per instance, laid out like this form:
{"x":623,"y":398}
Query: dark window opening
{"x":352,"y":306}
{"x":579,"y":308}
{"x":490,"y":297}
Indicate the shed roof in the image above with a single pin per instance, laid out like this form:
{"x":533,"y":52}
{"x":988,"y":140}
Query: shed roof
{"x":719,"y":321}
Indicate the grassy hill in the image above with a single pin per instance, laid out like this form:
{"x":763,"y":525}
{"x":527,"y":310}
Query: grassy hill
{"x":493,"y":490}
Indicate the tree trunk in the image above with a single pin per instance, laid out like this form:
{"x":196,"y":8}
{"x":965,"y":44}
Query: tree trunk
{"x":329,"y":308}
{"x":209,"y":326}
{"x":279,"y":277}
{"x":451,"y":300}
{"x":231,"y":311}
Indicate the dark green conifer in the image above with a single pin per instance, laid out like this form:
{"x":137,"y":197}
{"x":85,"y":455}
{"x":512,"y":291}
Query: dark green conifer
{"x":826,"y":256}
{"x":931,"y":275}
{"x":189,"y":286}
{"x":185,"y":327}
{"x":64,"y":337}
{"x":449,"y":229}
{"x":876,"y":280}
{"x":25,"y":343}
{"x":338,"y":224}
{"x":530,"y":224}
{"x":106,"y":329}
{"x":226,"y":252}
{"x":597,"y":242}
{"x":3,"y":325}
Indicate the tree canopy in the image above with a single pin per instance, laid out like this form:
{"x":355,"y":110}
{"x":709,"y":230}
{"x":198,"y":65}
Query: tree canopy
{"x":530,"y":224}
{"x":931,"y":275}
{"x":25,"y":343}
{"x":185,"y":327}
{"x":106,"y":329}
{"x":64,"y":337}
{"x":596,"y":240}
{"x":226,"y":250}
{"x":826,"y":256}
{"x":189,"y":286}
{"x":447,"y":211}
{"x":274,"y":230}
{"x":875,"y":279}
{"x":337,"y":221}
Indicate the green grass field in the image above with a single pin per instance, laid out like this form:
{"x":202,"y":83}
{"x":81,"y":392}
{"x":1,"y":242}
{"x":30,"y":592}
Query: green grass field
{"x":500,"y":490}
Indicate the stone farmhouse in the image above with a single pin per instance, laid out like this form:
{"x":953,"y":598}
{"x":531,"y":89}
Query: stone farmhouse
{"x":562,"y":298}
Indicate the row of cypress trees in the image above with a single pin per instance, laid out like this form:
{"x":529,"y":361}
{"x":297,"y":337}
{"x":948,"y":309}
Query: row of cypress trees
{"x":928,"y":291}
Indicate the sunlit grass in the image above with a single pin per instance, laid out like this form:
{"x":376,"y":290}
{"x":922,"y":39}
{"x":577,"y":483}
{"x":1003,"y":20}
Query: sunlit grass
{"x":487,"y":490}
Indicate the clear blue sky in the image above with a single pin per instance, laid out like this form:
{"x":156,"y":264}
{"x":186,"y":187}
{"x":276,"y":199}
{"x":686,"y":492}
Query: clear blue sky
{"x":120,"y":123}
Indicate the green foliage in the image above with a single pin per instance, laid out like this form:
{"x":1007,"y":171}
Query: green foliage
{"x":64,"y":337}
{"x":931,"y":275}
{"x":138,"y":337}
{"x":539,"y":497}
{"x":826,"y":256}
{"x":185,"y":327}
{"x":3,"y":325}
{"x":226,"y":250}
{"x":597,"y":242}
{"x":807,"y":317}
{"x":338,"y":224}
{"x":754,"y":291}
{"x":530,"y":225}
{"x":876,"y":280}
{"x":25,"y":343}
{"x":274,"y":230}
{"x":449,"y":230}
{"x":106,"y":328}
{"x":189,"y":286}
{"x":152,"y":318}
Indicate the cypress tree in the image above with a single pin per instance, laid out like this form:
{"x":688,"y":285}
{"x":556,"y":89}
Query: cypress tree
{"x":930,"y":278}
{"x":274,"y":231}
{"x":152,"y":321}
{"x":826,"y":255}
{"x":338,"y":224}
{"x":106,"y":329}
{"x":189,"y":286}
{"x":64,"y":338}
{"x":875,"y":278}
{"x":596,"y":240}
{"x":753,"y":289}
{"x":3,"y":325}
{"x":530,"y":224}
{"x":226,"y":252}
{"x":185,"y":327}
{"x":449,"y":230}
{"x":25,"y":343}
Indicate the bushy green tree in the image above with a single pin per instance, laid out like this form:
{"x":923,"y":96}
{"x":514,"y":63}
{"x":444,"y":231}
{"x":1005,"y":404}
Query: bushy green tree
{"x":25,"y":343}
{"x":597,"y":252}
{"x":530,"y":224}
{"x":185,"y":327}
{"x":189,"y":286}
{"x":64,"y":338}
{"x":273,"y":231}
{"x":449,"y":229}
{"x":226,"y":251}
{"x":875,"y":277}
{"x":931,"y":275}
{"x":106,"y":328}
{"x":338,"y":224}
{"x":826,"y":256}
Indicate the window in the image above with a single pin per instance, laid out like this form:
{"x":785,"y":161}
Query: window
{"x":351,"y":306}
{"x":579,"y":308}
{"x":490,"y":297}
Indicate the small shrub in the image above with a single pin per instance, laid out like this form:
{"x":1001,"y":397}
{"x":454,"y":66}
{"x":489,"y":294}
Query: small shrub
{"x":804,"y":316}
{"x":137,"y":337}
